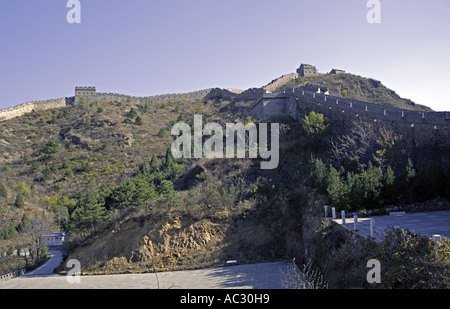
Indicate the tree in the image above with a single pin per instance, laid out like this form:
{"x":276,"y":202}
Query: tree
{"x":37,"y":227}
{"x":89,"y":211}
{"x":139,"y":121}
{"x":133,"y":192}
{"x":9,"y":232}
{"x":337,"y":189}
{"x":19,"y":203}
{"x":154,"y":166}
{"x":132,"y":113}
{"x":388,"y":193}
{"x":168,"y":196}
{"x":3,"y":192}
{"x":318,"y":174}
{"x":390,"y":151}
{"x":24,"y":224}
{"x":316,"y":127}
{"x":50,"y":148}
{"x":359,"y":143}
{"x":371,"y":181}
{"x":144,"y":169}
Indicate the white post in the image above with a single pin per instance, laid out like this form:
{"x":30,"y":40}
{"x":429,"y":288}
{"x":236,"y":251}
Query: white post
{"x":372,"y":227}
{"x":326,"y":210}
{"x":436,"y":239}
{"x":343,"y":216}
{"x":333,"y":213}
{"x":355,"y":221}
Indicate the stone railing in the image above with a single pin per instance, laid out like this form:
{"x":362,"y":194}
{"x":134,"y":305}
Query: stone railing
{"x":12,"y":275}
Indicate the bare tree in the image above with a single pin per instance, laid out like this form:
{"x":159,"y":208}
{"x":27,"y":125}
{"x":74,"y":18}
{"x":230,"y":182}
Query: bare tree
{"x":356,"y":144}
{"x":39,"y":225}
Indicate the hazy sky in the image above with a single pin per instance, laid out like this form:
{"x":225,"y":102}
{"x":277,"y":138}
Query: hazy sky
{"x":143,"y":47}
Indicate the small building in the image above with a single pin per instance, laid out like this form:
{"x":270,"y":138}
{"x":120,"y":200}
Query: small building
{"x":56,"y":239}
{"x":336,"y":71}
{"x":306,"y":70}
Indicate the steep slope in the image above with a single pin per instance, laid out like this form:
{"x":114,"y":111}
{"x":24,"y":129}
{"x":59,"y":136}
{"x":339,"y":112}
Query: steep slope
{"x":54,"y":155}
{"x":223,"y":209}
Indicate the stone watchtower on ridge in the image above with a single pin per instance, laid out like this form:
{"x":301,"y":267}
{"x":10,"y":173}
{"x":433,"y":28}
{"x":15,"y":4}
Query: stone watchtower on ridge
{"x":306,"y":70}
{"x":83,"y":92}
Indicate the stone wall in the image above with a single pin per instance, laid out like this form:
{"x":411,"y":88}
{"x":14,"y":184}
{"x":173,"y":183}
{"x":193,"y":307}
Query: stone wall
{"x":426,"y":134}
{"x":22,"y":109}
{"x":251,"y":94}
{"x":280,"y":82}
{"x":270,"y":104}
{"x":165,"y":98}
{"x":375,"y":111}
{"x":335,"y":104}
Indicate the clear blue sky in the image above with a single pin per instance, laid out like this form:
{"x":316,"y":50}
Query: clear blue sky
{"x":142,"y":47}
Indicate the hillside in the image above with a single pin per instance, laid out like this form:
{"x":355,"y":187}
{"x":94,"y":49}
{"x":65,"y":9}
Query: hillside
{"x":101,"y":171}
{"x":351,"y":86}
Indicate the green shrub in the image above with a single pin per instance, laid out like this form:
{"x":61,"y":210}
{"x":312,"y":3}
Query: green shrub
{"x":50,"y":148}
{"x":132,"y":113}
{"x":139,"y":121}
{"x":3,"y":192}
{"x":19,"y":203}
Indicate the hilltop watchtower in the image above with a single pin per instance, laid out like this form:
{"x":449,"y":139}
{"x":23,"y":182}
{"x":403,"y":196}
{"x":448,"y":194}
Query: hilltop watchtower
{"x":306,"y":70}
{"x":84,"y":92}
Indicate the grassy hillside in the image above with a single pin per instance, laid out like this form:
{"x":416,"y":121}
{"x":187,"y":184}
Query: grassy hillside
{"x":54,"y":155}
{"x":102,"y":173}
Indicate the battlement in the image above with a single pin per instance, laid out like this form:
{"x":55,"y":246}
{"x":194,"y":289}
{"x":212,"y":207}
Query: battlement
{"x":293,"y":99}
{"x":85,"y":90}
{"x":90,"y":95}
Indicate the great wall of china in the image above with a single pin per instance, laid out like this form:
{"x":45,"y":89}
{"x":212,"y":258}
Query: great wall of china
{"x":289,"y":102}
{"x":90,"y":97}
{"x":266,"y":104}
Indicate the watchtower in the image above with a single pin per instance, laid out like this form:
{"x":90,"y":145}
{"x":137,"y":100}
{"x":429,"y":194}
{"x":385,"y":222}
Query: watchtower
{"x":84,"y":92}
{"x":306,"y":70}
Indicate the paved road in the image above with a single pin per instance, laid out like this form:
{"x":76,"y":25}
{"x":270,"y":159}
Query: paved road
{"x":47,"y":269}
{"x":424,"y":223}
{"x":255,"y":276}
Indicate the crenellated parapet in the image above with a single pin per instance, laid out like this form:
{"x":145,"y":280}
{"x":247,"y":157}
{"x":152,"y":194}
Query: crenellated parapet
{"x":89,"y":94}
{"x":265,"y":107}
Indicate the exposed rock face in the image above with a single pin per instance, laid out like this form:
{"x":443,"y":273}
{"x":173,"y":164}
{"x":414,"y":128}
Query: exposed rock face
{"x":140,"y":245}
